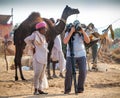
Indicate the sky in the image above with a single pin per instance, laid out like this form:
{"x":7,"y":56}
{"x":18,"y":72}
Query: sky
{"x":100,"y":12}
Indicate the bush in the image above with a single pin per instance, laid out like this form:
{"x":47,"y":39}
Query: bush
{"x":116,"y":55}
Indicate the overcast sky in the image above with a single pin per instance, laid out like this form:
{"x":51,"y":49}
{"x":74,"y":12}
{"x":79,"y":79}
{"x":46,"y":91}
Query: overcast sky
{"x":100,"y":12}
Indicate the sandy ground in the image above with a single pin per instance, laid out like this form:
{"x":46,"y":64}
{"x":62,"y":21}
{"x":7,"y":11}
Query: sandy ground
{"x":104,"y":84}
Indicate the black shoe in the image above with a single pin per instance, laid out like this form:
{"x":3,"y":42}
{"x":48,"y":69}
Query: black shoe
{"x":41,"y":92}
{"x":49,"y":77}
{"x":55,"y":76}
{"x":79,"y":91}
{"x":36,"y":92}
{"x":66,"y":92}
{"x":94,"y":68}
{"x":61,"y":75}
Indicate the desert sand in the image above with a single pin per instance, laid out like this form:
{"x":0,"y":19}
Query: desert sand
{"x":100,"y":84}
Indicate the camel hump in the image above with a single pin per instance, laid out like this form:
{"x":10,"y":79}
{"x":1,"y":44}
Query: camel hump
{"x":33,"y":16}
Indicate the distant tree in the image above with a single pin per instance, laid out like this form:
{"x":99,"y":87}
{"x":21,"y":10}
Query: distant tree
{"x":116,"y":36}
{"x":117,"y":33}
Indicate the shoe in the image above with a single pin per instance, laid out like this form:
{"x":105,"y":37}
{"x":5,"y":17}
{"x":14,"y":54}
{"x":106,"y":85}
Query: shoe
{"x":79,"y":91}
{"x":94,"y":68}
{"x":66,"y":92}
{"x":61,"y":75}
{"x":41,"y":92}
{"x":36,"y":92}
{"x":49,"y":77}
{"x":55,"y":76}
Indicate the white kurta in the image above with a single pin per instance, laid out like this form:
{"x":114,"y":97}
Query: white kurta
{"x":57,"y":53}
{"x":38,"y":41}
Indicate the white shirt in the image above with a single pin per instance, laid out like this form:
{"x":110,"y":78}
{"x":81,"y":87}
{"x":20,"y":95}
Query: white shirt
{"x":78,"y":44}
{"x":38,"y":41}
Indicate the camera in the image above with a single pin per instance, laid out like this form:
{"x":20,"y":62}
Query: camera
{"x":69,"y":26}
{"x":77,"y":27}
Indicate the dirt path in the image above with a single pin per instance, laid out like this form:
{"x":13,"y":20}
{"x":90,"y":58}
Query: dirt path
{"x":97,"y":85}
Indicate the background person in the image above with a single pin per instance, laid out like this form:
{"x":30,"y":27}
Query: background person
{"x":91,"y":29}
{"x":57,"y":55}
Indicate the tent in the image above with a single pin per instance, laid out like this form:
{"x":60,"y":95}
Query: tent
{"x":4,"y":19}
{"x":5,"y":28}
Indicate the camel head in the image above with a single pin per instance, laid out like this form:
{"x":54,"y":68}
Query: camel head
{"x":68,"y":11}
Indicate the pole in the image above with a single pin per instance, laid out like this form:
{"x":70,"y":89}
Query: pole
{"x":12,"y":15}
{"x":73,"y":63}
{"x":5,"y":46}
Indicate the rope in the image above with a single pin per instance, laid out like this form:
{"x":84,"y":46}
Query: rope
{"x":76,"y":16}
{"x":111,"y":23}
{"x":63,"y":20}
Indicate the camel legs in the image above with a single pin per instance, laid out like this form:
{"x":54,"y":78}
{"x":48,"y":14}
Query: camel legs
{"x":17,"y":61}
{"x":18,"y":65}
{"x":54,"y":66}
{"x":16,"y":76}
{"x":48,"y":67}
{"x":50,"y":46}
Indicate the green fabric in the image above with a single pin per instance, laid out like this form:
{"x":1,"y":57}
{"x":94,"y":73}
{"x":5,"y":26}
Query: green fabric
{"x":94,"y":52}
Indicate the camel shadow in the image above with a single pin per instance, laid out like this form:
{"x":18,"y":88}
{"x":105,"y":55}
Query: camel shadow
{"x":13,"y":81}
{"x":106,"y":85}
{"x":28,"y":80}
{"x":4,"y":97}
{"x":15,"y":96}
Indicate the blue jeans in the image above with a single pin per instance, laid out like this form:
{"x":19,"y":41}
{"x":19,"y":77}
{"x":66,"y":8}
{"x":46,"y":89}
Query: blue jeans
{"x":81,"y":62}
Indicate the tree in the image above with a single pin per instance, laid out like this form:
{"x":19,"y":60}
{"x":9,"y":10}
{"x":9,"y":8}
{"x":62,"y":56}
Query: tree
{"x":117,"y":33}
{"x":116,"y":37}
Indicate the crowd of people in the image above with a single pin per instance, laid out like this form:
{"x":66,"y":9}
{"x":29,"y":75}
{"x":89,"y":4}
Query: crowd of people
{"x":74,"y":38}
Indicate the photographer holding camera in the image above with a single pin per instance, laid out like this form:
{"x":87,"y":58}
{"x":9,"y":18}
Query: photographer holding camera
{"x":78,"y":36}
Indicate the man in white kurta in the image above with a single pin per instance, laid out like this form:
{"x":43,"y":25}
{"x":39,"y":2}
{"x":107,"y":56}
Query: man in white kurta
{"x":37,"y":40}
{"x":57,"y":54}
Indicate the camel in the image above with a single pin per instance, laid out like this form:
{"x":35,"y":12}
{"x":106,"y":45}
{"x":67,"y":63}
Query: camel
{"x":28,"y":26}
{"x":104,"y":41}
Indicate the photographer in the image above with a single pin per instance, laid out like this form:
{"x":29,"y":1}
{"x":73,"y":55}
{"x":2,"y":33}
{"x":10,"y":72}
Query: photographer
{"x":78,"y":36}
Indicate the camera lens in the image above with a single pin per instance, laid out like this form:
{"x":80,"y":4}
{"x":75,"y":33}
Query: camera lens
{"x":77,"y":27}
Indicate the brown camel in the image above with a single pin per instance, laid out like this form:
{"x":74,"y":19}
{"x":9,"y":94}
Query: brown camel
{"x":28,"y":26}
